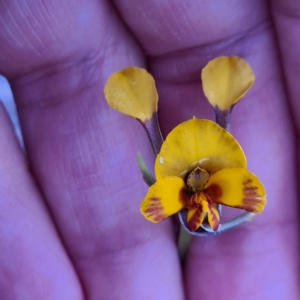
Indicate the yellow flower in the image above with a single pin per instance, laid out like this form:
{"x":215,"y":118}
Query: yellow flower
{"x":199,"y":165}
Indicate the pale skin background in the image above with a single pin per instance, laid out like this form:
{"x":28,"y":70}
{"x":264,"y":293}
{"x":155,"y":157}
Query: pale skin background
{"x":70,"y":226}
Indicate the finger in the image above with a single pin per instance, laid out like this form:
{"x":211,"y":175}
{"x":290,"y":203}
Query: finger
{"x":82,"y":153}
{"x":33,"y":263}
{"x":256,"y":260}
{"x":286,"y":17}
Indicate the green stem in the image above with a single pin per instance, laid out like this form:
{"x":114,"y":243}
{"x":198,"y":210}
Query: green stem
{"x":147,"y":175}
{"x":183,"y":243}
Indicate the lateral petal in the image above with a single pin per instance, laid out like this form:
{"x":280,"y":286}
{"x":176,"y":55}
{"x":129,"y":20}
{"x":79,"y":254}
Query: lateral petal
{"x":165,"y":197}
{"x":238,"y":188}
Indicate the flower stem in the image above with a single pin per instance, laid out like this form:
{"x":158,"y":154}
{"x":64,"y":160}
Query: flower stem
{"x":184,"y":240}
{"x":147,"y":175}
{"x":153,"y":132}
{"x":223,"y":117}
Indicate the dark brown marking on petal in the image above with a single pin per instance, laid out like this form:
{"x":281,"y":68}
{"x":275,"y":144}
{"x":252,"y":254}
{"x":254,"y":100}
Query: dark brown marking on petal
{"x":247,"y":182}
{"x":214,"y":192}
{"x":192,"y":223}
{"x":214,"y":218}
{"x":192,"y":201}
{"x":155,"y":210}
{"x":252,"y":202}
{"x":155,"y":199}
{"x":160,"y":218}
{"x":152,"y":210}
{"x":208,"y":199}
{"x":185,"y":196}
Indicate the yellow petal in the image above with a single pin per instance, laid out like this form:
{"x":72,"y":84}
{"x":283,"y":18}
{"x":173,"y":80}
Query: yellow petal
{"x":212,"y":215}
{"x":200,"y":143}
{"x":196,"y":214}
{"x":132,"y":92}
{"x":225,"y":80}
{"x":165,"y":197}
{"x":195,"y":217}
{"x":236,"y":187}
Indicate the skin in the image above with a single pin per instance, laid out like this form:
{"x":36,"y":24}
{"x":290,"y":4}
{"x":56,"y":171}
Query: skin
{"x":70,"y":226}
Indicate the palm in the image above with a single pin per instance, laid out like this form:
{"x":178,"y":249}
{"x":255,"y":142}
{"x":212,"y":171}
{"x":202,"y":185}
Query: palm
{"x":57,"y":56}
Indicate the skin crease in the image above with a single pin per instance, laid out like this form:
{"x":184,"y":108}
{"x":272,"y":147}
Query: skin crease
{"x":70,"y":226}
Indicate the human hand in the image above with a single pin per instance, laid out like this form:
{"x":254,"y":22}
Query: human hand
{"x":72,"y":229}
